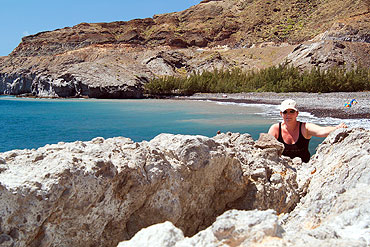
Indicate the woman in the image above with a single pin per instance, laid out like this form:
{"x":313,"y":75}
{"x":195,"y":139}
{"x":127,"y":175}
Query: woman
{"x":296,"y":135}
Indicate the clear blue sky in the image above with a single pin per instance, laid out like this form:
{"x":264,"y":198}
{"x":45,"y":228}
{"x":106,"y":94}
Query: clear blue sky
{"x":20,"y":18}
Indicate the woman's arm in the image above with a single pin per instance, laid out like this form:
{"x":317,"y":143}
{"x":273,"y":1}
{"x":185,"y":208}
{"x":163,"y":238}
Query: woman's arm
{"x":319,"y":131}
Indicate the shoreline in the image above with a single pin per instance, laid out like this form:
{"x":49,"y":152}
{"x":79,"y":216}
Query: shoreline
{"x":321,"y":105}
{"x":318,"y":104}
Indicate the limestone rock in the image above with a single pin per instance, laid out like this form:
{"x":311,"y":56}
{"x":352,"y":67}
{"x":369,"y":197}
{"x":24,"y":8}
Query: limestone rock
{"x":336,"y":204}
{"x":267,"y":141}
{"x":237,"y":228}
{"x":104,"y":191}
{"x":233,"y":228}
{"x":159,"y":235}
{"x":271,"y":178}
{"x":334,"y":212}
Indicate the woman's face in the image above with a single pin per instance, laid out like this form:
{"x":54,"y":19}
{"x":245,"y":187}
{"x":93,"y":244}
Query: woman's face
{"x":289,"y":115}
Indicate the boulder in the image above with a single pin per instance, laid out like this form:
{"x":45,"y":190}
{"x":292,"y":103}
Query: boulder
{"x":233,"y":228}
{"x":101,"y":192}
{"x":333,"y":212}
{"x":336,"y":206}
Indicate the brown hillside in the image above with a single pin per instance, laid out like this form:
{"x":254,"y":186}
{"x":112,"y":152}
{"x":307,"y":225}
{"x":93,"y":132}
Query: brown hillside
{"x":236,"y":23}
{"x":115,"y":60}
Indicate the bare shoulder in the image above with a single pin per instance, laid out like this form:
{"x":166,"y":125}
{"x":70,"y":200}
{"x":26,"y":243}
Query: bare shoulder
{"x":274,"y":130}
{"x":305,"y":130}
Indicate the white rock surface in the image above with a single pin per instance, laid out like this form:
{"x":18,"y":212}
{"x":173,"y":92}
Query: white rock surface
{"x":233,"y":228}
{"x":338,"y":198}
{"x":159,"y":235}
{"x":333,"y":212}
{"x":101,"y":192}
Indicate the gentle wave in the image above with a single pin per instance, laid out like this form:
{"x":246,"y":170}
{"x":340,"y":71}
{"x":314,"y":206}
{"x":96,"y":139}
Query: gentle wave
{"x":272,"y":112}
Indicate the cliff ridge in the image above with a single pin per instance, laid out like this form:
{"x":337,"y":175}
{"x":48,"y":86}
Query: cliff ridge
{"x":115,"y":60}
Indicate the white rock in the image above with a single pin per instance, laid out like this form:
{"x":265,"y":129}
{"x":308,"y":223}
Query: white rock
{"x":233,"y":228}
{"x":101,"y":192}
{"x":104,"y":191}
{"x":159,"y":235}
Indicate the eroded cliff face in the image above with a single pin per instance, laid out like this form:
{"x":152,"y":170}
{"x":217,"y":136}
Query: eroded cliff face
{"x":115,"y":60}
{"x":234,"y":23}
{"x":101,"y":192}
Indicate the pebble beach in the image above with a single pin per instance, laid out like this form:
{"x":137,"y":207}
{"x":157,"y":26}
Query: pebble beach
{"x":318,"y":104}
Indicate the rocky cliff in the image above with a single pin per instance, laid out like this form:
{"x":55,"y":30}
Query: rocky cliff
{"x":115,"y":60}
{"x":101,"y":192}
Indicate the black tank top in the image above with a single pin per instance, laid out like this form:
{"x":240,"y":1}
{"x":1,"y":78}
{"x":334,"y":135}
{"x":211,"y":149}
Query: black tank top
{"x":298,"y":149}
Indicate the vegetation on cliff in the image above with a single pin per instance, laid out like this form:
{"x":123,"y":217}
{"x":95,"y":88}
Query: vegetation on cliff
{"x":281,"y":78}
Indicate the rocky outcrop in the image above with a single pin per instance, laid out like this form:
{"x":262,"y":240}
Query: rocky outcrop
{"x":335,"y":209}
{"x":343,"y":45}
{"x":115,"y":60}
{"x":95,"y":72}
{"x":332,"y":212}
{"x":101,"y":192}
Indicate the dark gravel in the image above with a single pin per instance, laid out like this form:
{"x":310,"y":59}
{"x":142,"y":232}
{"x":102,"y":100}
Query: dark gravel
{"x":318,"y":104}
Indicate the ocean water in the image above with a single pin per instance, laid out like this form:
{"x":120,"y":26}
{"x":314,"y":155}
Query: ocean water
{"x":32,"y":123}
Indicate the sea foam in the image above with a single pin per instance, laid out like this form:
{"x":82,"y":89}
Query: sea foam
{"x":272,"y":112}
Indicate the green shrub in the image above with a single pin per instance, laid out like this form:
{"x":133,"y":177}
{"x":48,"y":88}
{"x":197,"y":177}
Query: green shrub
{"x":281,"y":78}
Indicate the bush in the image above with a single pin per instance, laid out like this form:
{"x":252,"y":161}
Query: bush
{"x":281,"y":78}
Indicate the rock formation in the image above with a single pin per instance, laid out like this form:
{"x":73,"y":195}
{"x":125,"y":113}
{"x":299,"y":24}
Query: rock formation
{"x":115,"y":60}
{"x":101,"y":192}
{"x":334,"y":210}
{"x":233,"y":228}
{"x":337,"y":46}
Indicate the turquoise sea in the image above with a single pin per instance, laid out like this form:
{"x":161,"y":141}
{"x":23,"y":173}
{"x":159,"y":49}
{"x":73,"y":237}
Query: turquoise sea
{"x":32,"y":123}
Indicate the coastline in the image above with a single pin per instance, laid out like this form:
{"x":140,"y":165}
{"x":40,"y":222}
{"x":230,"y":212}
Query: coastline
{"x":321,"y":105}
{"x":318,"y":104}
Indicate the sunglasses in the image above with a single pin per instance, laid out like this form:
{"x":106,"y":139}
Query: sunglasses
{"x":290,"y":111}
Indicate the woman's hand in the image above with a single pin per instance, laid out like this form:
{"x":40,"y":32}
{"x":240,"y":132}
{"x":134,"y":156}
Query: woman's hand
{"x":341,"y":125}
